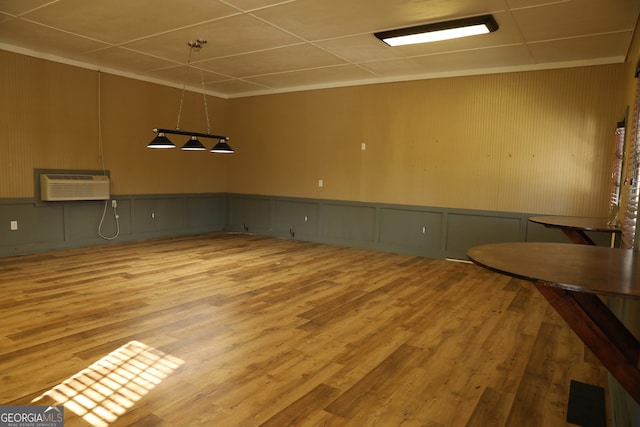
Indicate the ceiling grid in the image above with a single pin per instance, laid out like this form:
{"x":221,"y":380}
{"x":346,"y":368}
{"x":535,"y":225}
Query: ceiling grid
{"x":270,"y":46}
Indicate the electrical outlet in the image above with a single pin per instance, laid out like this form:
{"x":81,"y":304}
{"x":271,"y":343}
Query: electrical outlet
{"x":114,"y":204}
{"x":153,"y":215}
{"x":14,"y":225}
{"x":320,"y":183}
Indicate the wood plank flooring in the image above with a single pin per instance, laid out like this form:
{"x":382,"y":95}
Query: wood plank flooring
{"x":240,"y":330}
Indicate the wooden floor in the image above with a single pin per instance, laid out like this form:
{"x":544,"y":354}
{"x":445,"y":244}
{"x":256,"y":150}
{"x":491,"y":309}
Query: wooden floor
{"x":237,"y":330}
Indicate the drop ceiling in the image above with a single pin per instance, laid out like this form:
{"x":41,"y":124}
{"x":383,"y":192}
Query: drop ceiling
{"x":268,"y":46}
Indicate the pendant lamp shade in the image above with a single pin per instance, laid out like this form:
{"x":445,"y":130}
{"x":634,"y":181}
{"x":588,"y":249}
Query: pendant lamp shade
{"x":222,"y":147}
{"x":193,"y":144}
{"x":161,"y":141}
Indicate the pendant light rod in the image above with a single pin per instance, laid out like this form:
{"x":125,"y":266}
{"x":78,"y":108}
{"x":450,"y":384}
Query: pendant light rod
{"x":161,"y":140}
{"x":182,"y":132}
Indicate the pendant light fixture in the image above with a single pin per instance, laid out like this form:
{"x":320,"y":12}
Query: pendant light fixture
{"x":193,"y":143}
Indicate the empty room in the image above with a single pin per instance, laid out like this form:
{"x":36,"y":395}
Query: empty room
{"x":319,"y":213}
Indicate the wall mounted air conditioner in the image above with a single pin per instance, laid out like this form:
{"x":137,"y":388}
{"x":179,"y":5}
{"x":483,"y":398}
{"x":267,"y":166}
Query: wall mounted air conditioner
{"x":62,"y":187}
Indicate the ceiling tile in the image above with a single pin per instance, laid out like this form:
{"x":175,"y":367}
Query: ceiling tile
{"x":247,"y":5}
{"x":313,"y":77}
{"x":492,"y":58}
{"x":16,"y":8}
{"x":482,"y":59}
{"x":125,"y":60}
{"x":366,"y":47}
{"x":520,"y":4}
{"x":193,"y":77}
{"x":5,"y":17}
{"x":235,"y":87}
{"x":28,"y":35}
{"x":290,"y":58}
{"x":595,"y":16}
{"x":117,"y":21}
{"x":324,"y":19}
{"x":229,"y":36}
{"x":581,"y":48}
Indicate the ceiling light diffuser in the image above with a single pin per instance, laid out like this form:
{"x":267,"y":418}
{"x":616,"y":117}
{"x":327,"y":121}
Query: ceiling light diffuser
{"x":439,"y":31}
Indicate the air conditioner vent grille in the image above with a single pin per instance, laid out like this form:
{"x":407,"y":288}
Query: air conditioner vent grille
{"x":71,"y":177}
{"x":62,"y":187}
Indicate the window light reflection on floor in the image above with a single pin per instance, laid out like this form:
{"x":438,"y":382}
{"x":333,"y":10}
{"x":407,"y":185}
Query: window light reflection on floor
{"x":108,"y":388}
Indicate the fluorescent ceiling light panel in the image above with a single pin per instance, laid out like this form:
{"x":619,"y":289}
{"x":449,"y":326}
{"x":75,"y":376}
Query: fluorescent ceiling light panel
{"x":439,"y":31}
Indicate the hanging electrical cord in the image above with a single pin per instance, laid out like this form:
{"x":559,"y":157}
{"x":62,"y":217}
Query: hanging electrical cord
{"x":114,"y":204}
{"x":115,"y":216}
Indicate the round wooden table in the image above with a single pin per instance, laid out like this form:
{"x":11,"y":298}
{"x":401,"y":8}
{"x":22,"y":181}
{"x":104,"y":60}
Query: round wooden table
{"x":574,"y":227}
{"x":571,"y":277}
{"x":581,"y":268}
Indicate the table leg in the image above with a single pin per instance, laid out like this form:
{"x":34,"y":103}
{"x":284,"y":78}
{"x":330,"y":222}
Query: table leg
{"x":601,"y":331}
{"x":578,"y":236}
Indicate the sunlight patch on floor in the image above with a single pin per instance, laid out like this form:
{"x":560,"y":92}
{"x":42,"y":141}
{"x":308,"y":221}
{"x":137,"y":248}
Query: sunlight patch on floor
{"x":109,"y":387}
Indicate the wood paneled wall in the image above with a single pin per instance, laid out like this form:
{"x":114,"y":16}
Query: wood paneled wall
{"x":44,"y":107}
{"x":520,"y":142}
{"x":56,"y":116}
